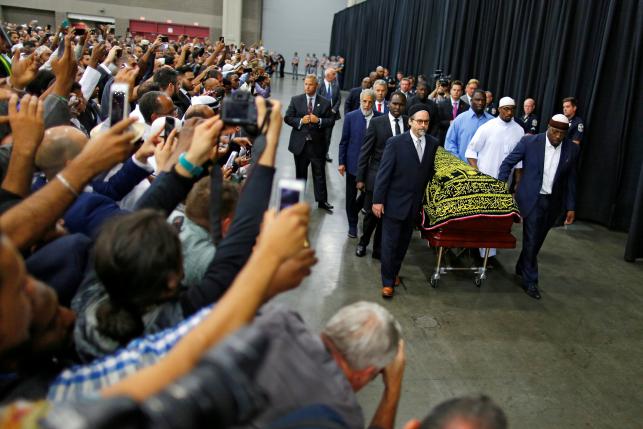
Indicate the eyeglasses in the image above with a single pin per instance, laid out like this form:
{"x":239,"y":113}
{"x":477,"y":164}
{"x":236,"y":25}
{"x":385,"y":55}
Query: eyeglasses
{"x":421,"y":121}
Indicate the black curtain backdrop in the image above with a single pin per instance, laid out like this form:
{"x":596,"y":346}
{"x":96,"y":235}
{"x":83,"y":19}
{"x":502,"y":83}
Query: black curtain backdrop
{"x":544,"y":49}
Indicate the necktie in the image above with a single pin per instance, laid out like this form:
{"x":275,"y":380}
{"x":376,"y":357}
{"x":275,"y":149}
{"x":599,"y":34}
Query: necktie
{"x":330,"y":92}
{"x":397,"y":127}
{"x":455,"y":109}
{"x":418,"y":147}
{"x":310,"y":105}
{"x":379,"y":107}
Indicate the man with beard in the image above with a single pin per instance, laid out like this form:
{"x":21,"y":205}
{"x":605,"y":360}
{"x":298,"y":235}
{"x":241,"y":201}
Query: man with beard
{"x":379,"y":131}
{"x":182,"y":96}
{"x":548,"y":186}
{"x":355,"y":125}
{"x":406,"y":168}
{"x":492,"y":142}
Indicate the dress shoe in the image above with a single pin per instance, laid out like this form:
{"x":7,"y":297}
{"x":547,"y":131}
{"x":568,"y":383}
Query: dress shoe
{"x":326,"y":206}
{"x":398,"y":281}
{"x":360,"y":251}
{"x":328,"y":158}
{"x":532,"y":291}
{"x":387,"y":292}
{"x":352,"y":231}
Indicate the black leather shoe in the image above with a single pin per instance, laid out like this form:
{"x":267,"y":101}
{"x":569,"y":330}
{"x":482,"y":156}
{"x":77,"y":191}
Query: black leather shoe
{"x":328,"y":158}
{"x":360,"y":251}
{"x":532,"y":291}
{"x":326,"y":206}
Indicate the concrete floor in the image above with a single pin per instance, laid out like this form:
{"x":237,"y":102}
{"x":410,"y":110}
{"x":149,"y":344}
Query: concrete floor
{"x":572,"y":360}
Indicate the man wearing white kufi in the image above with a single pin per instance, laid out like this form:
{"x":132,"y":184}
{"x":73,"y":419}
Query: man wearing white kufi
{"x":547,"y":188}
{"x":493,"y":141}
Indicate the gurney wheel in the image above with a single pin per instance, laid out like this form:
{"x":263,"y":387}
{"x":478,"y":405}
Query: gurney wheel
{"x":434,"y":282}
{"x":477,"y":281}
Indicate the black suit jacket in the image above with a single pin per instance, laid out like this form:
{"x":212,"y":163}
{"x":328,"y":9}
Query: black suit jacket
{"x":531,"y":151}
{"x":445,"y":113}
{"x":352,"y":101}
{"x":182,"y":101}
{"x":297,"y":109}
{"x":336,"y":101}
{"x":377,"y":133}
{"x":402,"y":178}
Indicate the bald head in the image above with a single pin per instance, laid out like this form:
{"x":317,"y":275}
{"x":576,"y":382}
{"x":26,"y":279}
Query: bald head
{"x":211,"y":83}
{"x":199,"y":111}
{"x":59,"y":146}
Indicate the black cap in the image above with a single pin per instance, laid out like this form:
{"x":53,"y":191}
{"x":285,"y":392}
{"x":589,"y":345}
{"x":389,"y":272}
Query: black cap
{"x":417,"y":108}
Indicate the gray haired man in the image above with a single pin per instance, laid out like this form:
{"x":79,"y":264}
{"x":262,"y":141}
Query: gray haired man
{"x":357,"y":344}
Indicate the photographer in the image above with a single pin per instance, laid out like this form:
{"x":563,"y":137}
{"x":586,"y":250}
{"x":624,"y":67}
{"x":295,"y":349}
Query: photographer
{"x":441,"y":91}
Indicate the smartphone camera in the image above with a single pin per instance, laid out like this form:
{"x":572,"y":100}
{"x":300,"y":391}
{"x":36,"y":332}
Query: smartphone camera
{"x":290,"y":192}
{"x":118,"y":104}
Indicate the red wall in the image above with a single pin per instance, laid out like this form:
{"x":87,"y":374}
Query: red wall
{"x":150,"y":29}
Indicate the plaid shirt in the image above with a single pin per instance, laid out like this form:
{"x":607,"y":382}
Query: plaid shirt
{"x":87,"y":380}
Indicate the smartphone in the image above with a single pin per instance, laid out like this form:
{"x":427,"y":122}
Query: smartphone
{"x":119,"y":52}
{"x":230,"y":162}
{"x":169,"y":125}
{"x":118,"y":103}
{"x":222,"y":39}
{"x":290,"y":192}
{"x":80,"y":31}
{"x":165,"y":39}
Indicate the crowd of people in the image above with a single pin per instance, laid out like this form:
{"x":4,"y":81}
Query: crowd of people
{"x":391,"y":133}
{"x":318,"y":66}
{"x":139,"y":256}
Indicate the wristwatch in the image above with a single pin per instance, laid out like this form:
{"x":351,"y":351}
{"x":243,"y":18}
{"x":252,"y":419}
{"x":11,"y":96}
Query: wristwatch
{"x":194,"y":170}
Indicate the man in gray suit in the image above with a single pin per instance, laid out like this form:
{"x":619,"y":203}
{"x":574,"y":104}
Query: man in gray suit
{"x":329,"y":89}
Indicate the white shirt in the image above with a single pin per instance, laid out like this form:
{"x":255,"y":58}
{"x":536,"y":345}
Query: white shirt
{"x":415,"y":139}
{"x":391,"y":120}
{"x":552,"y":159}
{"x":491,"y":144}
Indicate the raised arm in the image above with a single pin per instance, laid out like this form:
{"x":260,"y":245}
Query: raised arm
{"x":26,"y":222}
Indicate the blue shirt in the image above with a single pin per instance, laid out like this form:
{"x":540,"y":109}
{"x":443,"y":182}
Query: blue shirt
{"x":461,"y":131}
{"x":87,"y":380}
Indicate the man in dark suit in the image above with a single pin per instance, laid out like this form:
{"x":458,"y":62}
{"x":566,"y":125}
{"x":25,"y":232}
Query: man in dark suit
{"x":547,"y":187}
{"x":380,"y":88}
{"x":181,"y":97}
{"x":355,"y":125}
{"x":352,"y":101}
{"x":309,"y":114}
{"x":330,"y":90}
{"x":406,"y":168}
{"x":378,"y":132}
{"x":450,"y":108}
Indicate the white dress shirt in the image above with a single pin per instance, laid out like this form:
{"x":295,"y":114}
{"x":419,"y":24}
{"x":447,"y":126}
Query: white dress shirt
{"x":391,"y":120}
{"x":491,"y":144}
{"x":552,"y":159}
